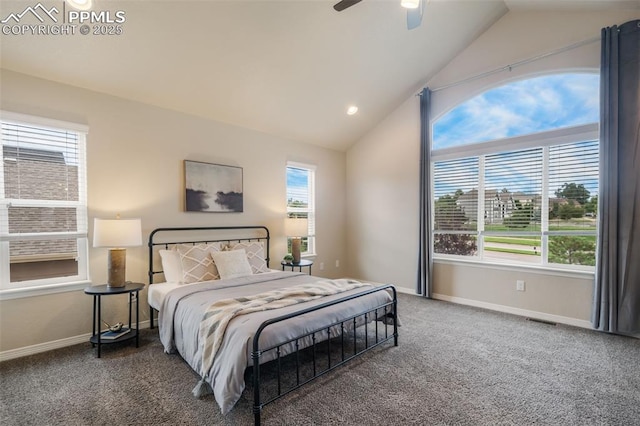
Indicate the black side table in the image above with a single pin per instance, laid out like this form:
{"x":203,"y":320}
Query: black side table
{"x":304,"y":263}
{"x":104,"y":290}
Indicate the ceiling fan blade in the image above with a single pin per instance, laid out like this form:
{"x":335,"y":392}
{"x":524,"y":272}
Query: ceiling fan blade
{"x":414,"y":16}
{"x":342,"y":5}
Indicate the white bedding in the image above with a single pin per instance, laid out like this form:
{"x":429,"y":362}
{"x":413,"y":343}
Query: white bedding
{"x":158,"y":291}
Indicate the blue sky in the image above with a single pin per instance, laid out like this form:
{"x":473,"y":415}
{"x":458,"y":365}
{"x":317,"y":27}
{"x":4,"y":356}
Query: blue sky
{"x":297,"y":184}
{"x":521,"y":107}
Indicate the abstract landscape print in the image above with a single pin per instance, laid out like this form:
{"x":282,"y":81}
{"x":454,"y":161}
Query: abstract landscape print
{"x":212,"y":188}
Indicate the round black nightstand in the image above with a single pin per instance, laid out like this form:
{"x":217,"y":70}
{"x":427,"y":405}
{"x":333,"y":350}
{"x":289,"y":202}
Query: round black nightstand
{"x":97,"y":292}
{"x":304,"y":263}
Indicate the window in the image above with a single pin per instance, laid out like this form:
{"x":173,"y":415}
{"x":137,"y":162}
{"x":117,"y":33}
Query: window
{"x":301,"y":201}
{"x":43,"y":207}
{"x":515,"y":174}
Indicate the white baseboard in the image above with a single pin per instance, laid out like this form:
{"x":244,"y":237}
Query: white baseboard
{"x":54,"y":344}
{"x":405,"y":290}
{"x":57,"y":344}
{"x":506,"y":309}
{"x":515,"y":311}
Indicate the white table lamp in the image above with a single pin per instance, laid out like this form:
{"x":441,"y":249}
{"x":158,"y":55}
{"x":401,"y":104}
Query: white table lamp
{"x":117,"y":234}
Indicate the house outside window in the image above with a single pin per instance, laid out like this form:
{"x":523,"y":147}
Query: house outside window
{"x":43,"y":207}
{"x":301,"y":201}
{"x":515,"y":174}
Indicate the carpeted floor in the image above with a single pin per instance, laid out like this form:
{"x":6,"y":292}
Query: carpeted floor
{"x":455,"y":365}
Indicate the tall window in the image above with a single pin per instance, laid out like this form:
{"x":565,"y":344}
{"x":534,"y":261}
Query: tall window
{"x":515,"y":173}
{"x":301,"y":200}
{"x":43,"y":202}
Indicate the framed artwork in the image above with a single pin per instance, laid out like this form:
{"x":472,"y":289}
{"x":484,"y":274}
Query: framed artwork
{"x":213,"y":188}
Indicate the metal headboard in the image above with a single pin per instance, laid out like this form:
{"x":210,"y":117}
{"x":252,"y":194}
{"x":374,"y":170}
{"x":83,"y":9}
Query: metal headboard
{"x":173,"y":236}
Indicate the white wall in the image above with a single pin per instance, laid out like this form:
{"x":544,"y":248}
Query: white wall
{"x":383,"y":168}
{"x":135,"y":156}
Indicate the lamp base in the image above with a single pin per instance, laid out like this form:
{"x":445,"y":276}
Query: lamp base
{"x":295,"y":249}
{"x":117,"y":265}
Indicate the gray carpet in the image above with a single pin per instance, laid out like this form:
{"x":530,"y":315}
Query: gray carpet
{"x":455,"y":365}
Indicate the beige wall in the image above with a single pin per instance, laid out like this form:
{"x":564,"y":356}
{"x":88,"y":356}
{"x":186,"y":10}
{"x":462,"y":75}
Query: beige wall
{"x":383,"y":168}
{"x":135,"y":156}
{"x":382,"y":200}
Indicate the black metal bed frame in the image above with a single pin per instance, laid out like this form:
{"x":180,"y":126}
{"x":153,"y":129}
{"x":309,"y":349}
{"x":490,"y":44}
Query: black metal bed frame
{"x":388,"y":311}
{"x":385,"y":312}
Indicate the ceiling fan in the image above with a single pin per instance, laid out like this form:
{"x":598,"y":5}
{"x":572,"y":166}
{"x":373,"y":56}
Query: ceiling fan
{"x":415,"y":8}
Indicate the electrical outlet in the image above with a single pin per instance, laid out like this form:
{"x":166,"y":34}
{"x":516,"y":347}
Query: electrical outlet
{"x":322,"y":266}
{"x":337,"y":263}
{"x":520,"y":285}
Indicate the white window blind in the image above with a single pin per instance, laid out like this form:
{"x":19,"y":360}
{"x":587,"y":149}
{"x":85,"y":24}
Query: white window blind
{"x":534,"y":205}
{"x":571,"y":223}
{"x":513,"y":190}
{"x":456,"y":206}
{"x":456,"y":194}
{"x":43,"y":209}
{"x":573,"y":182}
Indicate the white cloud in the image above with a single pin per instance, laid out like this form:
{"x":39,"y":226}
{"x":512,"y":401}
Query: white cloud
{"x":519,"y":108}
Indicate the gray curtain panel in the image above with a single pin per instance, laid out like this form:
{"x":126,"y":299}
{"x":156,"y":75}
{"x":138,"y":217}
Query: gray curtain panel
{"x":617,"y":280}
{"x":425,"y":256}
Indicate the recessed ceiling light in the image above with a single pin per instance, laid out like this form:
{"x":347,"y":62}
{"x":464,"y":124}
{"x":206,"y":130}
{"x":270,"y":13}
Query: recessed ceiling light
{"x":80,"y":4}
{"x":410,"y":4}
{"x":352,"y":110}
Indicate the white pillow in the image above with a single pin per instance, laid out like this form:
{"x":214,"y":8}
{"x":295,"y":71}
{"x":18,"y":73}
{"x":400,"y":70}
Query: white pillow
{"x":232,"y":264}
{"x":171,"y":266}
{"x":255,"y":255}
{"x":197,"y":264}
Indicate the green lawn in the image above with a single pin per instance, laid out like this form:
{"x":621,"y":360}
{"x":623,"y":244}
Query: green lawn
{"x":571,"y":228}
{"x":572,"y":225}
{"x":533,"y":242}
{"x":514,"y":251}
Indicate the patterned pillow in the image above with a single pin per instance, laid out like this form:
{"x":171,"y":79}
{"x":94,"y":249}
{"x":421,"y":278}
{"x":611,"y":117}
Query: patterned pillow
{"x":197,"y":263}
{"x":255,"y":255}
{"x":232,"y":264}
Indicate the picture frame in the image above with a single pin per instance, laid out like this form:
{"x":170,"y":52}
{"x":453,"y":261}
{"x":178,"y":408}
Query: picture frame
{"x":213,"y":188}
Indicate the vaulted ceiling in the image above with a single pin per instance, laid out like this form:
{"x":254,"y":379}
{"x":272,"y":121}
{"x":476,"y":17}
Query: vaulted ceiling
{"x":287,"y":68}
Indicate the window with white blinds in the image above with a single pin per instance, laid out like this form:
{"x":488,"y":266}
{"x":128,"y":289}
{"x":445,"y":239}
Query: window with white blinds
{"x":43,"y":202}
{"x":513,"y":190}
{"x":456,"y":206}
{"x":536,"y":205}
{"x":530,"y":197}
{"x":301,"y":201}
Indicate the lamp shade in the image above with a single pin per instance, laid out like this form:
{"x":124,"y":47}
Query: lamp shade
{"x":296,"y":227}
{"x":117,"y":233}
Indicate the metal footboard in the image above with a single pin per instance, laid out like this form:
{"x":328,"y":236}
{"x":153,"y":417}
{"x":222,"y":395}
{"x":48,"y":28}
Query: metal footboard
{"x":335,"y":333}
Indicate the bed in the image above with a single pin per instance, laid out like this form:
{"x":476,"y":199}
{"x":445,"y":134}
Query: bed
{"x":225,"y":313}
